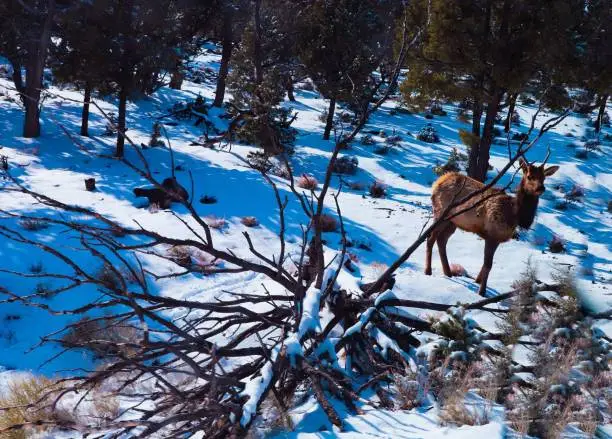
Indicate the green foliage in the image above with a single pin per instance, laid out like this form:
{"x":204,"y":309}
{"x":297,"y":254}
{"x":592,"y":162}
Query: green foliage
{"x":452,"y":164}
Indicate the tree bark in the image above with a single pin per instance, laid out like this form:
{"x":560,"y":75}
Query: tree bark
{"x":512,"y":104}
{"x":121,"y":122}
{"x":176,"y":79}
{"x":35,"y":64}
{"x":479,"y":172}
{"x":603,"y":99}
{"x":330,"y":118}
{"x":85,"y":113}
{"x":473,"y":152}
{"x":226,"y":55}
{"x":289,"y":87}
{"x":16,"y":76}
{"x":257,"y":56}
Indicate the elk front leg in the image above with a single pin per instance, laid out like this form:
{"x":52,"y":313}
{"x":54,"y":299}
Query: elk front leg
{"x":483,"y":276}
{"x":431,"y":239}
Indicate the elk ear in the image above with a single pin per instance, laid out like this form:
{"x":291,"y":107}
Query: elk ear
{"x":550,"y":170}
{"x":523,"y":164}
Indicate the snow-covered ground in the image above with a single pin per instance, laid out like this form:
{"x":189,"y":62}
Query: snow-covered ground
{"x":53,"y":165}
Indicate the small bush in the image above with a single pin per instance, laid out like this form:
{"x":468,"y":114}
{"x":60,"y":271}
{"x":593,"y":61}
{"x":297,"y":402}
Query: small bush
{"x":102,"y":338}
{"x":592,"y":145}
{"x":436,"y":109}
{"x":215,"y":222}
{"x":33,"y":224}
{"x":463,"y":117}
{"x":515,"y":118}
{"x":259,"y":160}
{"x":581,"y":154}
{"x":44,"y":290}
{"x":281,"y":171}
{"x":382,"y":149}
{"x":355,"y":185}
{"x":328,"y":223}
{"x":107,"y":277}
{"x":307,"y":182}
{"x":36,"y":267}
{"x":428,"y":134}
{"x":610,"y":206}
{"x":393,"y":139}
{"x":452,"y":164}
{"x":556,"y":244}
{"x":519,"y":137}
{"x":110,"y":130}
{"x":378,"y":190}
{"x":458,"y":270}
{"x":526,"y":100}
{"x":249,"y":221}
{"x":576,"y":193}
{"x":29,"y":399}
{"x":468,"y":138}
{"x":208,"y":199}
{"x":367,"y":140}
{"x":429,"y":116}
{"x":346,"y":165}
{"x":156,"y":137}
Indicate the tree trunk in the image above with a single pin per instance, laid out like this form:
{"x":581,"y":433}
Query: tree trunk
{"x":121,"y":122}
{"x":330,"y":118}
{"x":512,"y":104}
{"x":17,"y":78}
{"x":85,"y":113}
{"x":289,"y":87}
{"x":473,"y":152}
{"x":482,"y":165}
{"x":176,"y":79}
{"x":37,"y":54}
{"x":226,"y":55}
{"x":603,"y":99}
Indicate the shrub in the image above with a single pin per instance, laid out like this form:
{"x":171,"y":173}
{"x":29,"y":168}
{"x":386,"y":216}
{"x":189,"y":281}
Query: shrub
{"x":458,"y":270}
{"x":556,"y":98}
{"x":355,"y":185}
{"x":36,"y":267}
{"x":463,"y":117}
{"x":281,"y":171}
{"x":215,"y":222}
{"x":452,"y":164}
{"x":208,"y":199}
{"x":382,"y":149}
{"x":249,"y":221}
{"x":576,"y":193}
{"x":378,"y":190}
{"x":156,"y":136}
{"x":592,"y":145}
{"x":29,"y":398}
{"x":428,"y":134}
{"x":468,"y":138}
{"x":582,"y":102}
{"x":436,"y":109}
{"x":33,"y":224}
{"x":393,"y":139}
{"x":429,"y":116}
{"x":515,"y":118}
{"x":367,"y":140}
{"x":107,"y":276}
{"x":556,"y":244}
{"x":346,"y":165}
{"x":526,"y":100}
{"x":44,"y":290}
{"x":581,"y":154}
{"x":272,"y":131}
{"x":110,"y":129}
{"x":610,"y":206}
{"x":328,"y":223}
{"x":259,"y":160}
{"x":104,"y":340}
{"x":307,"y":182}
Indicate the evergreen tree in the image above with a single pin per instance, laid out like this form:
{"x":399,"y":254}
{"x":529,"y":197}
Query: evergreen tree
{"x":481,"y":50}
{"x":341,"y":42}
{"x":25,"y":36}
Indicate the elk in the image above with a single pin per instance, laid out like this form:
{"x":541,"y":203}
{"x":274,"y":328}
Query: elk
{"x":493,"y":215}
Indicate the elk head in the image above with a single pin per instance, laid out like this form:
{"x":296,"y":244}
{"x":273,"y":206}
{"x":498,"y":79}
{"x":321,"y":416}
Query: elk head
{"x":533,"y":176}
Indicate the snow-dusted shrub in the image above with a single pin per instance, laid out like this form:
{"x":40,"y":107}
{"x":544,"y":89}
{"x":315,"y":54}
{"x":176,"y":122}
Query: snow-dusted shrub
{"x":527,"y":100}
{"x":436,"y":109}
{"x":328,"y":223}
{"x":367,"y":140}
{"x":428,"y":134}
{"x":556,"y":244}
{"x":576,"y":193}
{"x":249,"y":221}
{"x":110,"y":130}
{"x":259,"y":160}
{"x":215,"y":222}
{"x":103,"y":340}
{"x":582,"y":102}
{"x":33,"y":224}
{"x":307,"y":182}
{"x":382,"y":149}
{"x":107,"y":276}
{"x":378,"y":190}
{"x":458,"y":270}
{"x":393,"y":139}
{"x":272,"y":132}
{"x":281,"y":170}
{"x":581,"y":154}
{"x":452,"y":164}
{"x":346,"y":165}
{"x":156,"y":136}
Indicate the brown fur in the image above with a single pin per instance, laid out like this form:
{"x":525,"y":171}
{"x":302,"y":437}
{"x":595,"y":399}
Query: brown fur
{"x":495,"y":219}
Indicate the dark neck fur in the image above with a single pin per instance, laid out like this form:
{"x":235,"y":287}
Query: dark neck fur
{"x":527,"y":205}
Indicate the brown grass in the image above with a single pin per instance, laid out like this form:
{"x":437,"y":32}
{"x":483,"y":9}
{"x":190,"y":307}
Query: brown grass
{"x":216,"y":222}
{"x":249,"y":221}
{"x":307,"y":182}
{"x":328,"y":223}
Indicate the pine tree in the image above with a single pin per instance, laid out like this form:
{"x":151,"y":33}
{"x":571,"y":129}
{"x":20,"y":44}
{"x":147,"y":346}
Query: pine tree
{"x":341,"y":42}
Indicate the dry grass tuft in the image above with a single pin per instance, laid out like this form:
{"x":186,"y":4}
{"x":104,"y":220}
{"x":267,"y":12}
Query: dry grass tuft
{"x":328,"y":223}
{"x":307,"y":182}
{"x":249,"y":221}
{"x":216,"y":222}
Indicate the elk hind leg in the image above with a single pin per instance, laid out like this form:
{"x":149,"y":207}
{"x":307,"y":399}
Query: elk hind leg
{"x":483,"y":276}
{"x":431,"y":239}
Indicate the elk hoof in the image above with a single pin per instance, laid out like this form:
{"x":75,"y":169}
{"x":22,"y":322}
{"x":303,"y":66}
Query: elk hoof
{"x":428,"y":271}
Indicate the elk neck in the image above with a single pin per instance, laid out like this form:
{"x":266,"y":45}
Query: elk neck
{"x":526,"y":206}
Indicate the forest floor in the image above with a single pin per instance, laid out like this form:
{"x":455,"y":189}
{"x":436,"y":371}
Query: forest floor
{"x":54,"y":165}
